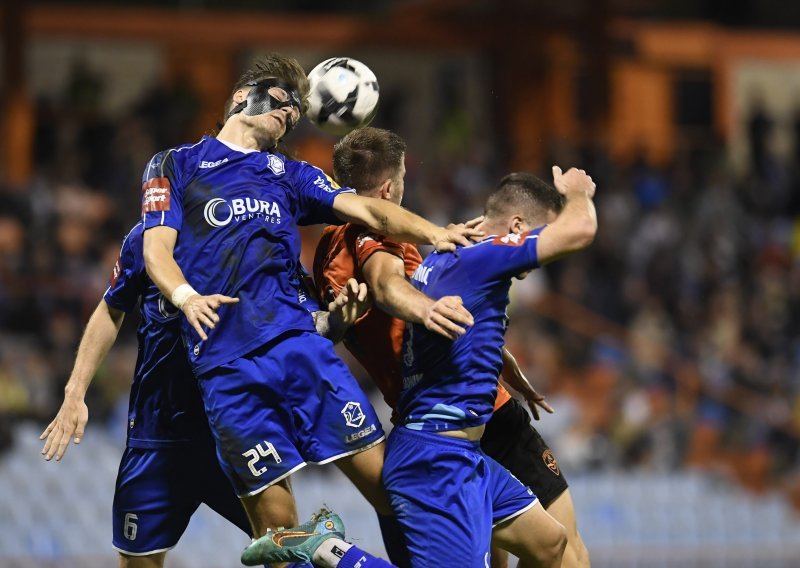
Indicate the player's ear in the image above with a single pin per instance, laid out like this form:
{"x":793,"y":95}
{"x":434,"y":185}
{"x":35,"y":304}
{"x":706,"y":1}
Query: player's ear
{"x":516,"y":224}
{"x":239,"y":96}
{"x":387,"y":189}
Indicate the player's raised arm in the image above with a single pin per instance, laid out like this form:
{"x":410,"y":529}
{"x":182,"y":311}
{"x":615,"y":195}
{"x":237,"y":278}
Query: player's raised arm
{"x":394,"y":294}
{"x":576,"y":225}
{"x":99,"y":336}
{"x":159,"y":244}
{"x":392,"y":220}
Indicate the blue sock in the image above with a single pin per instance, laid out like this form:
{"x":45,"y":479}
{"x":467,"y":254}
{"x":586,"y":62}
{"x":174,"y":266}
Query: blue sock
{"x":394,"y":541}
{"x":357,"y":558}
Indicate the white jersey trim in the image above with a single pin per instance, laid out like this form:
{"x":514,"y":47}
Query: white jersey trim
{"x":123,"y":551}
{"x":351,"y":452}
{"x":273,"y":482}
{"x":518,"y":513}
{"x":236,"y":147}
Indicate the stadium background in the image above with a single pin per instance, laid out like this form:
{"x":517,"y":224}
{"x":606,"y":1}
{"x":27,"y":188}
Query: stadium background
{"x":670,"y":349}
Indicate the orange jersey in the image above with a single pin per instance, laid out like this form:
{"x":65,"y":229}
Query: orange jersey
{"x":375,"y":340}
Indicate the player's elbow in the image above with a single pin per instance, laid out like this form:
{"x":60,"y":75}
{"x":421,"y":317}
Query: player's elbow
{"x":583,"y":232}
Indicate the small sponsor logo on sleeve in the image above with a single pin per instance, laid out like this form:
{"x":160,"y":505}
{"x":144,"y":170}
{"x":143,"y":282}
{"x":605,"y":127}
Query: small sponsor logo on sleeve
{"x":364,"y":238}
{"x":511,"y":239}
{"x":155,"y":195}
{"x":115,"y":272}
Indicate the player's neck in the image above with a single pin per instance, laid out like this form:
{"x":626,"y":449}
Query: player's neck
{"x":493,"y":228}
{"x":239,"y":134}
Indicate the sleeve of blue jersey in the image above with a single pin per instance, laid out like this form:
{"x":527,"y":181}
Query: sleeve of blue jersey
{"x":503,"y":257}
{"x":315,"y":194}
{"x":124,"y":290}
{"x":161,"y":180}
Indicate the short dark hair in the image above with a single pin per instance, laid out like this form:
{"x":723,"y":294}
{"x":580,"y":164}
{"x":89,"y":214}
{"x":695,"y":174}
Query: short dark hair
{"x":287,"y":69}
{"x":526,"y":194}
{"x":363,"y":158}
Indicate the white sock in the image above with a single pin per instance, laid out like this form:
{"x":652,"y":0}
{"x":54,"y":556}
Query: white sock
{"x":330,"y":552}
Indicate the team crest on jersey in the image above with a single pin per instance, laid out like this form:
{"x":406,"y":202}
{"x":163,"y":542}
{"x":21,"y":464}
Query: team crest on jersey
{"x":353,"y":415}
{"x":155,"y":195}
{"x":276,"y":165}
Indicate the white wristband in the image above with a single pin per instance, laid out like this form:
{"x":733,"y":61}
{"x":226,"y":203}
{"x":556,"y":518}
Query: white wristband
{"x":181,"y":294}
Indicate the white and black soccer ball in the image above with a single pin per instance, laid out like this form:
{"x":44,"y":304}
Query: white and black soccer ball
{"x":344,"y":95}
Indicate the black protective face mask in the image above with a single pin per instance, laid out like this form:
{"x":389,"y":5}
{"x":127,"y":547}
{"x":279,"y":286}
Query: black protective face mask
{"x":259,"y":101}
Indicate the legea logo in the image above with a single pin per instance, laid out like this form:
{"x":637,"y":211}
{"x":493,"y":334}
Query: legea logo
{"x":218,"y":212}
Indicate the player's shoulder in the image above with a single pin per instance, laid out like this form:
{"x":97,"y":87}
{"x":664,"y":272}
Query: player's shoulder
{"x":174,"y":158}
{"x":132,"y":250}
{"x":314,"y":175}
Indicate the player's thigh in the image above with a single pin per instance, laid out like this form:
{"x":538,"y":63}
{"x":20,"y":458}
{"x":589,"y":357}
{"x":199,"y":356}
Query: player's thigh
{"x":150,"y":561}
{"x":364,"y":469}
{"x":511,"y":439}
{"x":152,"y":500}
{"x":271,"y":508}
{"x":251,"y":420}
{"x":438,"y":488}
{"x":534,"y":536}
{"x":563,"y":510}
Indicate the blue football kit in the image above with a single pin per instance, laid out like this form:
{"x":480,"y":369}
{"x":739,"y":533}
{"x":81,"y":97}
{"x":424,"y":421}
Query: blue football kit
{"x":446,"y":491}
{"x":276,"y":394}
{"x":168,"y":435}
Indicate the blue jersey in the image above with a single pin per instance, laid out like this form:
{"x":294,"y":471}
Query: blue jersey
{"x":165,"y":407}
{"x":449,"y":385}
{"x":237,"y":213}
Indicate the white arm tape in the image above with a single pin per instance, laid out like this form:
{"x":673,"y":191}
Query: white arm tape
{"x":181,"y":294}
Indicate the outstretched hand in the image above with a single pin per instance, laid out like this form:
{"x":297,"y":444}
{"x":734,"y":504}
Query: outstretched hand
{"x":517,"y":380}
{"x":69,"y":423}
{"x":202,"y":311}
{"x":463,"y":234}
{"x":447,"y":316}
{"x":352,"y":302}
{"x":471,"y":224}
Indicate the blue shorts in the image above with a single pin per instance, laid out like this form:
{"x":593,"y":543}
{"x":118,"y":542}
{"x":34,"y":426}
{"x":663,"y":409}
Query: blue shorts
{"x":158,"y":491}
{"x":289,"y":402}
{"x":447,"y":494}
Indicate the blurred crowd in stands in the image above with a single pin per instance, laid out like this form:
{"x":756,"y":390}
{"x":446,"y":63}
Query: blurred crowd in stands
{"x":673,"y":342}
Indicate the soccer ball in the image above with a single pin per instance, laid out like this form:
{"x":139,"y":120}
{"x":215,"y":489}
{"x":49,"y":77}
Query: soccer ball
{"x":344,"y":95}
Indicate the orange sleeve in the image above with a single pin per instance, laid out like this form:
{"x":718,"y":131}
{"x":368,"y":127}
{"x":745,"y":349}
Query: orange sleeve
{"x":368,"y":243}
